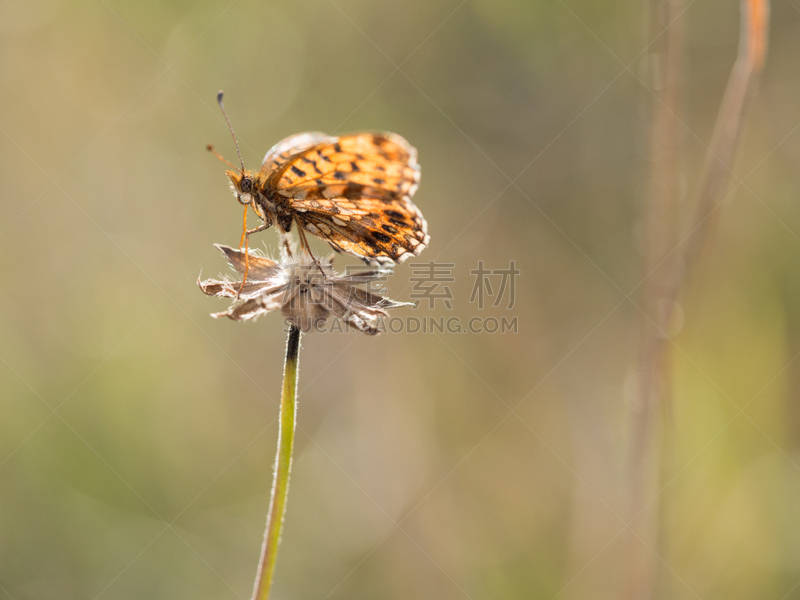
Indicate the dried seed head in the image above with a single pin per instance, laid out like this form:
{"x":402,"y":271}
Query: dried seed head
{"x":307,"y":292}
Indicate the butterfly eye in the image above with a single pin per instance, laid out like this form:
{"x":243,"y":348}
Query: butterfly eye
{"x":246,"y":185}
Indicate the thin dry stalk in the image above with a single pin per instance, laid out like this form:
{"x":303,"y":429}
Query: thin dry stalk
{"x":727,"y":130}
{"x":664,"y":285}
{"x":660,"y":229}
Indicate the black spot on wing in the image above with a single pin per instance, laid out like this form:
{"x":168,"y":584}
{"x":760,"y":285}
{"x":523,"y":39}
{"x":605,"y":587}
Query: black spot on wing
{"x":314,"y":193}
{"x":373,"y":245}
{"x":353,"y":191}
{"x":313,"y":163}
{"x":298,"y":172}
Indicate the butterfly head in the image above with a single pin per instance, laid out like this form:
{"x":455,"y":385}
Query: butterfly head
{"x":243,"y":185}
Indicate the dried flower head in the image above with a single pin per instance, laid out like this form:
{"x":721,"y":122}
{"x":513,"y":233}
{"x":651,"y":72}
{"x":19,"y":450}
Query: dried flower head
{"x":307,"y":292}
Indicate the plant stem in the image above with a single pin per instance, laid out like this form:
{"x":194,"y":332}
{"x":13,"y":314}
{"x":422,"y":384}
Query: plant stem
{"x":661,"y":226}
{"x":661,"y":282}
{"x":283,"y":467}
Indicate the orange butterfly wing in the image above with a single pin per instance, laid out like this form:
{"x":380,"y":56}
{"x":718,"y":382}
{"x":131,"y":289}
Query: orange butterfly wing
{"x":382,"y":229}
{"x":355,"y":192}
{"x":281,"y":152}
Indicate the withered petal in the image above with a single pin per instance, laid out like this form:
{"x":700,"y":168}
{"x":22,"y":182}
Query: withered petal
{"x":247,"y":310}
{"x":370,"y":327}
{"x":363,"y":276}
{"x":259,"y":269}
{"x":230,"y":289}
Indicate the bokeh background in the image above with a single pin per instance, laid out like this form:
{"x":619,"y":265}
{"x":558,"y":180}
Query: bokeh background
{"x":137,"y":434}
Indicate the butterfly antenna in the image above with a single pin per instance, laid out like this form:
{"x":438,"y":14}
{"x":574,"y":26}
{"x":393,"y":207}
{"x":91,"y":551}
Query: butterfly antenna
{"x":228,"y":121}
{"x":210,"y":148}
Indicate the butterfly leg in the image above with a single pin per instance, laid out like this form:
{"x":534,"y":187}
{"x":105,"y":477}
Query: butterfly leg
{"x":244,"y":226}
{"x":304,"y":246}
{"x":287,"y":244}
{"x":246,"y":239}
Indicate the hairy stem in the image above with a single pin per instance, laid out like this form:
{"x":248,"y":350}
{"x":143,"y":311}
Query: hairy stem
{"x":283,"y":468}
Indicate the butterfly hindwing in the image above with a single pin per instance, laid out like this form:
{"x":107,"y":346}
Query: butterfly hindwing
{"x":380,"y":230}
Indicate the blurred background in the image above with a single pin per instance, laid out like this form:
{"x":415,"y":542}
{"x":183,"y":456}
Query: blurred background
{"x":138,"y":434}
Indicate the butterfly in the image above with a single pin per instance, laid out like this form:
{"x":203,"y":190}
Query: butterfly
{"x":354,"y":191}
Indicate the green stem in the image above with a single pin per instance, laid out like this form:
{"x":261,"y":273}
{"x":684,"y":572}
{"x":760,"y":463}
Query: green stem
{"x":283,"y":467}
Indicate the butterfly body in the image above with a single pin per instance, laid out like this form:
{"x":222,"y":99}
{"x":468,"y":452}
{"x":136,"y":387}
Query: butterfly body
{"x":354,"y":191}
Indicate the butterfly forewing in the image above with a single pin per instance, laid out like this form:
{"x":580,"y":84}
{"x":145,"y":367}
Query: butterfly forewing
{"x":277,"y":156}
{"x":380,"y":160}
